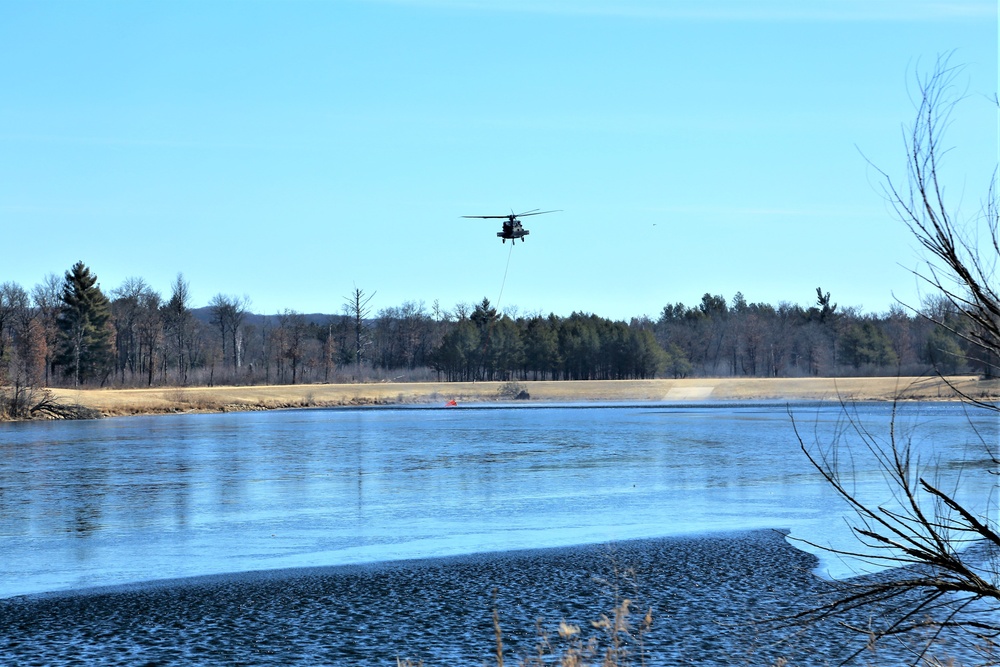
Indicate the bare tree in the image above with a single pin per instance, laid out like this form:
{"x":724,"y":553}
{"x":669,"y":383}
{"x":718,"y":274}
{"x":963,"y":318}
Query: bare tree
{"x":26,"y":355}
{"x":293,"y":327}
{"x":29,"y":343}
{"x":266,"y":333}
{"x":6,"y":312}
{"x":178,"y":327}
{"x":150,"y":332}
{"x":962,"y":255}
{"x":45,"y":297}
{"x":22,"y":345}
{"x":125,"y":312}
{"x":937,"y":584}
{"x":357,"y":307}
{"x":138,"y":324}
{"x":228,"y":313}
{"x":329,"y":349}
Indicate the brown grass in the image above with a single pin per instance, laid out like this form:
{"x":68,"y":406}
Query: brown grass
{"x":116,"y":402}
{"x":619,"y":644}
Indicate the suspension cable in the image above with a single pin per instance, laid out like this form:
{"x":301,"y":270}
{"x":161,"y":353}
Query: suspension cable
{"x":506,"y":268}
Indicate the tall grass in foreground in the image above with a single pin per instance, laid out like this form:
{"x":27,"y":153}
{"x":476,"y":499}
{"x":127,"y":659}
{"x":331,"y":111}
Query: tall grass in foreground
{"x":618,"y":644}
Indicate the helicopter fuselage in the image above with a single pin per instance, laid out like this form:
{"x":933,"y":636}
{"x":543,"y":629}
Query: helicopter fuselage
{"x":512,"y":230}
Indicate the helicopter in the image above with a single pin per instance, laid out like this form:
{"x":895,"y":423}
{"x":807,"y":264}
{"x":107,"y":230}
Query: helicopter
{"x":512,"y":228}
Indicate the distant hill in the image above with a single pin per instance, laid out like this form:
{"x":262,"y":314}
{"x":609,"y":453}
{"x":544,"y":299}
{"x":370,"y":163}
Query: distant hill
{"x":204,"y":315}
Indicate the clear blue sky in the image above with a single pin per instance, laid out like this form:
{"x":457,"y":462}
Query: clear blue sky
{"x":290,"y":150}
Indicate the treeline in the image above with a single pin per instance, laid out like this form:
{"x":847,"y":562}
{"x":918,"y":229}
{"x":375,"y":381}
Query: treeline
{"x":716,"y":338}
{"x":67,"y":331}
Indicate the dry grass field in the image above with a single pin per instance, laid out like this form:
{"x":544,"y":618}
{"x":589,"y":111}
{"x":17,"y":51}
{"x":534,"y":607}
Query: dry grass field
{"x":117,"y":402}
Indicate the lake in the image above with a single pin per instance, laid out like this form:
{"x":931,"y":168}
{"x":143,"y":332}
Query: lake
{"x":121,"y":501}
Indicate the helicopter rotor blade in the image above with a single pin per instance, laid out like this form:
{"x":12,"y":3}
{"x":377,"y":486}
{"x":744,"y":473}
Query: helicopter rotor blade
{"x":513,"y":216}
{"x":537,"y":212}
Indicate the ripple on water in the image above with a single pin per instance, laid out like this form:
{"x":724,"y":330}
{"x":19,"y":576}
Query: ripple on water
{"x":704,"y":593}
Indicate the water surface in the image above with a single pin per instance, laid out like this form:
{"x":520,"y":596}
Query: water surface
{"x":137,"y":499}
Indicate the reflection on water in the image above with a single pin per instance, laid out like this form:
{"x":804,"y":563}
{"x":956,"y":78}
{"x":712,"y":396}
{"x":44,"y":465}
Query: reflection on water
{"x":133,"y":499}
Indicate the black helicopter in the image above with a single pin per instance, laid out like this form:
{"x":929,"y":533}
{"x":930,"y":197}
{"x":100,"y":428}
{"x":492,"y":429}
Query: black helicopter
{"x":512,"y":228}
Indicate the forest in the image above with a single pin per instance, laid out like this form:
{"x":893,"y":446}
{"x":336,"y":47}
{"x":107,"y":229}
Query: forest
{"x":65,"y":331}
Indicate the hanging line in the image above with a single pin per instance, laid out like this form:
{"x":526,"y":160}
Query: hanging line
{"x":496,"y":308}
{"x":506,"y":268}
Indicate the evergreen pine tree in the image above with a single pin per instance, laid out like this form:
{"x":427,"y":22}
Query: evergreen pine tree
{"x":85,"y":331}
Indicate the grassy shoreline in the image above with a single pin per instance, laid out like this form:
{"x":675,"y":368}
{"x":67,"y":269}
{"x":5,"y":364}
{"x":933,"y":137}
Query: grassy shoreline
{"x":166,"y":400}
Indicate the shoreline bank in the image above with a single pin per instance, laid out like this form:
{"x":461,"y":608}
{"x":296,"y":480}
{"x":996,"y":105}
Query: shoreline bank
{"x":438,"y":610}
{"x":168,"y":400}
